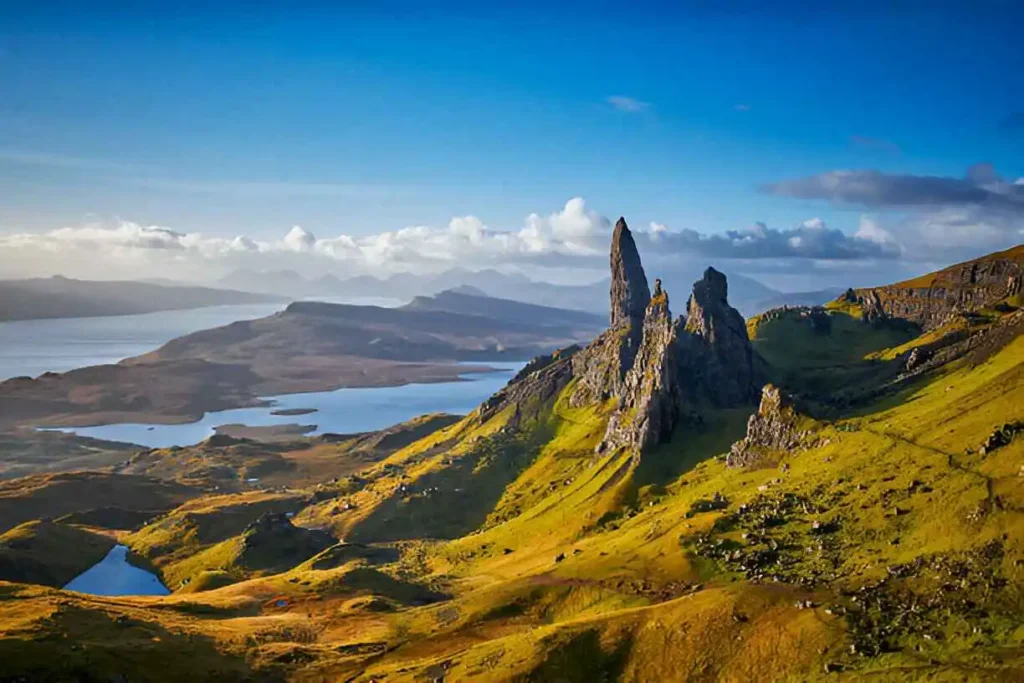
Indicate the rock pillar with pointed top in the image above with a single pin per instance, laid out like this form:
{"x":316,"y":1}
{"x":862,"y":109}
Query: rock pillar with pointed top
{"x":601,"y":368}
{"x":629,"y":290}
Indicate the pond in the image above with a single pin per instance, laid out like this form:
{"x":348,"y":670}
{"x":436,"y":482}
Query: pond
{"x":113,"y":575}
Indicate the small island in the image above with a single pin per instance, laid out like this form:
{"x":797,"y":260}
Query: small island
{"x":289,"y":412}
{"x":265,"y":433}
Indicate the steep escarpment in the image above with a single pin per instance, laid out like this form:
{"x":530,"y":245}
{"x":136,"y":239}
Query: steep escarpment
{"x":930,"y":300}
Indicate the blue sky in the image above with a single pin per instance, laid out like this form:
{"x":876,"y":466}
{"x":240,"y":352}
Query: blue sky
{"x":363,"y":120}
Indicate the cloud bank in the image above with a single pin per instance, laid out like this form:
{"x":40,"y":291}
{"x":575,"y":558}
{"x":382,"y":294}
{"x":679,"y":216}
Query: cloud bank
{"x":939,"y":220}
{"x":875,"y":190}
{"x":574,"y":236}
{"x":944,"y":217}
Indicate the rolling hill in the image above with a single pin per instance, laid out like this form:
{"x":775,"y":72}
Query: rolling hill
{"x":819,"y":493}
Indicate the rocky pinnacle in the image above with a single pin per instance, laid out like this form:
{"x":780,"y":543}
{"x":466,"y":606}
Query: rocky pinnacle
{"x":629,"y":292}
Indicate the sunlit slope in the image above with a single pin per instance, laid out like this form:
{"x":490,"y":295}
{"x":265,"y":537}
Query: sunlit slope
{"x":885,"y":536}
{"x":843,"y":556}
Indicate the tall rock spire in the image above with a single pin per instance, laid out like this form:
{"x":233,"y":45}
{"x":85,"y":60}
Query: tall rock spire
{"x":629,"y":292}
{"x":602,"y":366}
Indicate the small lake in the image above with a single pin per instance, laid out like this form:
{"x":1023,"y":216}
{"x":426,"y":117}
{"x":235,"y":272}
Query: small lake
{"x":32,"y":347}
{"x":343,"y":411}
{"x":114,"y":576}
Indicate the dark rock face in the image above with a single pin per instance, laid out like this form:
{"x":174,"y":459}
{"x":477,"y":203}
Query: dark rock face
{"x":629,"y":290}
{"x":716,"y":351}
{"x":774,"y":427}
{"x":960,"y":288}
{"x":602,"y":366}
{"x":651,"y":399}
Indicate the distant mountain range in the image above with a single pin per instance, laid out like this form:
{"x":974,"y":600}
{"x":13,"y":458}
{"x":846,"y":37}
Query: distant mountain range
{"x":61,"y":297}
{"x":747,"y":294}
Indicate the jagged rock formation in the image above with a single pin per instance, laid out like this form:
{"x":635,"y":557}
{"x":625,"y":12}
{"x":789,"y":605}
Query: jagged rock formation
{"x":774,"y":427}
{"x":931,"y":300}
{"x":657,"y":369}
{"x":717,"y":351}
{"x":651,"y":400}
{"x":539,"y":381}
{"x":963,"y":342}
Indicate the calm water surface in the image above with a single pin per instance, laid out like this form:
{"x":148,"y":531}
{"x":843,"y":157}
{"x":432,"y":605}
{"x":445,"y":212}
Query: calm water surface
{"x":342,"y":411}
{"x":32,"y":347}
{"x":114,"y":576}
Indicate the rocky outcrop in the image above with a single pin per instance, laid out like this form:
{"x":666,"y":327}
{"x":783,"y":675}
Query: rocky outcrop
{"x":651,"y":399}
{"x":272,"y":542}
{"x":773,"y":428}
{"x":1001,"y":436}
{"x":683,"y":365}
{"x":931,"y":300}
{"x":656,"y":369}
{"x":602,"y":366}
{"x":716,"y":351}
{"x":541,"y":380}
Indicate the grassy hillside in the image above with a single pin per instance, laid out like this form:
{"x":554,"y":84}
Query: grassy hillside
{"x":48,"y":553}
{"x":887,"y":544}
{"x":54,"y":495}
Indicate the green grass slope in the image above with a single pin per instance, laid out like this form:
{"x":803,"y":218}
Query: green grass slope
{"x":888,"y":545}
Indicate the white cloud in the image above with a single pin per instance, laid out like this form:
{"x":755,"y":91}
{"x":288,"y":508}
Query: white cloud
{"x":630,"y":105}
{"x":299,"y":240}
{"x":575,"y":236}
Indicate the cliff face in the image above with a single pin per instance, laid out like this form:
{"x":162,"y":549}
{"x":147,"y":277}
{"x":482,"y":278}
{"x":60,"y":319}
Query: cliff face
{"x":629,"y":290}
{"x":651,"y":398}
{"x":930,"y":300}
{"x":717,"y":351}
